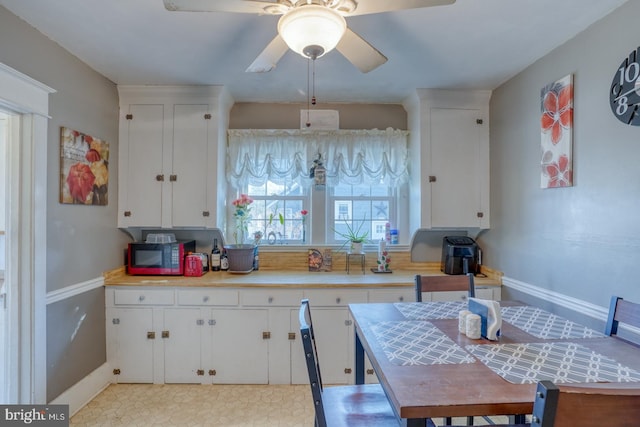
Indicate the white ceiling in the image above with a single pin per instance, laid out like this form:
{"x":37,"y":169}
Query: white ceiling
{"x":475,"y":44}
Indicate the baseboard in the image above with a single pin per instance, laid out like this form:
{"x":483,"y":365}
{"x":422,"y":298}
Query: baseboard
{"x":81,"y":393}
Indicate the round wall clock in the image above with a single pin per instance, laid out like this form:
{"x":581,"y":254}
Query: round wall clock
{"x":624,"y":96}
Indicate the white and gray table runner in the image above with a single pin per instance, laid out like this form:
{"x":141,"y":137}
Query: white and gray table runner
{"x":545,"y":325}
{"x":416,"y":342}
{"x":560,"y":362}
{"x":431,"y":310}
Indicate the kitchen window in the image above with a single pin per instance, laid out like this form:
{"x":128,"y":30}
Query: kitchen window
{"x":366,"y":176}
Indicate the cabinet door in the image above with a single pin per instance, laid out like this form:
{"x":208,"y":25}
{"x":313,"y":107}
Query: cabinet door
{"x":132,"y":337}
{"x":457,"y":158}
{"x":333,"y":330}
{"x":299,"y":373}
{"x":190,"y":185}
{"x":182,"y":338}
{"x":239,"y":346}
{"x":141,"y":173}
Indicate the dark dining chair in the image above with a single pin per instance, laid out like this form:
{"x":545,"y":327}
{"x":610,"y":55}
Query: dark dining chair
{"x":622,"y":311}
{"x":363,"y":405}
{"x":444,"y":284}
{"x":569,"y":406}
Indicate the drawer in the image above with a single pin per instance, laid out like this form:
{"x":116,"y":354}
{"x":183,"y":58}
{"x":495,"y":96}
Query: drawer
{"x":207,"y":297}
{"x":143,"y":297}
{"x":335,"y":297}
{"x":282,"y":298}
{"x":392,"y":295}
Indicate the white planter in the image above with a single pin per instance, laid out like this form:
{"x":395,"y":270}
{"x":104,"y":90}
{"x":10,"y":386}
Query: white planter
{"x":356,"y":247}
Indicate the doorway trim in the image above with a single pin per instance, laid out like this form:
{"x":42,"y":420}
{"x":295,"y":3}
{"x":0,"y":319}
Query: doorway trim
{"x":26,"y":220}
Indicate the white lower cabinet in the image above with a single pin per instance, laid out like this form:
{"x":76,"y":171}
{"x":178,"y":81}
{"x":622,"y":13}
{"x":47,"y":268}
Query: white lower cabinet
{"x":238,"y":336}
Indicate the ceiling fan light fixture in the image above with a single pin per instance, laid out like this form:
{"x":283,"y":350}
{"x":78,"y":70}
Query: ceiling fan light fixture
{"x":312,"y":30}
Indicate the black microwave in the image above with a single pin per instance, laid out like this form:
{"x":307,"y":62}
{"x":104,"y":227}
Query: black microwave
{"x":166,"y":259}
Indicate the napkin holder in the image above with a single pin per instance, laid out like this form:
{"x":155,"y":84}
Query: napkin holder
{"x":490,"y":317}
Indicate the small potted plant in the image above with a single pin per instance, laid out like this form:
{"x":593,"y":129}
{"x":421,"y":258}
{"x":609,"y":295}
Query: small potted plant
{"x":354,"y":236}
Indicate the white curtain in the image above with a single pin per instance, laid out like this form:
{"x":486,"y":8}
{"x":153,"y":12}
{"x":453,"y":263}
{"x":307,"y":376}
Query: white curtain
{"x":350,"y":156}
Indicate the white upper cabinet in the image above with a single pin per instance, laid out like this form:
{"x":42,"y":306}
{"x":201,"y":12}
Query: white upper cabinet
{"x":172,"y":148}
{"x":449,"y":146}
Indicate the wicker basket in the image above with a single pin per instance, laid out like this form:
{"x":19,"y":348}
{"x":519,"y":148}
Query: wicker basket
{"x":240,"y":258}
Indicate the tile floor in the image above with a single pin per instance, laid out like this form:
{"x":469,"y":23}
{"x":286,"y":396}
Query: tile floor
{"x":192,"y":405}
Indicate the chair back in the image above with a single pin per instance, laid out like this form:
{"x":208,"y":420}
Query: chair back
{"x":444,"y":283}
{"x":623,"y":311}
{"x":311,"y":357}
{"x":569,"y":406}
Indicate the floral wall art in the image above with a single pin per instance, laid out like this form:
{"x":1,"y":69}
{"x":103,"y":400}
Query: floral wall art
{"x":84,"y":168}
{"x":556,"y":125}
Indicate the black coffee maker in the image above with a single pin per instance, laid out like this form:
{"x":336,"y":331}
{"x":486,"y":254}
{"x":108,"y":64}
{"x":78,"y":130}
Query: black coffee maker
{"x":460,"y":255}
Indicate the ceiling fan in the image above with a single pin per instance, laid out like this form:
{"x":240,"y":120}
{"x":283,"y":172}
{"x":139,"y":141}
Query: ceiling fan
{"x":310,"y":27}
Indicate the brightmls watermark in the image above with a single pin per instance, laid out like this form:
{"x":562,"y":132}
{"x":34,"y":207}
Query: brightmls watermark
{"x":34,"y":415}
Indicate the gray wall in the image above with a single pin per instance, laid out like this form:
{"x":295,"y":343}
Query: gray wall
{"x":82,"y":241}
{"x":582,"y":241}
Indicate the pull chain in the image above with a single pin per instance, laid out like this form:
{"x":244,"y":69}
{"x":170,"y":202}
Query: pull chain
{"x":308,"y":92}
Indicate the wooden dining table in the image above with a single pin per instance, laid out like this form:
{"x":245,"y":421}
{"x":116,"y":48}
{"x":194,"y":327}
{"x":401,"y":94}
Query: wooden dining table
{"x":457,"y":381}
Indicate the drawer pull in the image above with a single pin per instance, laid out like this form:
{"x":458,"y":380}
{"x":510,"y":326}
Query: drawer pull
{"x":347,"y":370}
{"x":369,"y":371}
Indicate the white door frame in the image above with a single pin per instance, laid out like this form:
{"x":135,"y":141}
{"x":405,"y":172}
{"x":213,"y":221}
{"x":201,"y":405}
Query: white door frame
{"x":26,"y":234}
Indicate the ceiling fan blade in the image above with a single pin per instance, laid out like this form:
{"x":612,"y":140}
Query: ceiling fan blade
{"x":238,"y":6}
{"x":269,"y":57}
{"x":359,"y":52}
{"x":377,"y":6}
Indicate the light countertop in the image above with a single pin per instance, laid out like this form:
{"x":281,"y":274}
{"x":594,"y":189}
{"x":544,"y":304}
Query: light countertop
{"x":284,"y":279}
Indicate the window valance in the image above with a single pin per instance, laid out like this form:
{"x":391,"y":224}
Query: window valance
{"x":350,"y":156}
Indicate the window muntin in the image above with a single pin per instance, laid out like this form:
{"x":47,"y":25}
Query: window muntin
{"x":367,"y":208}
{"x":275,"y":211}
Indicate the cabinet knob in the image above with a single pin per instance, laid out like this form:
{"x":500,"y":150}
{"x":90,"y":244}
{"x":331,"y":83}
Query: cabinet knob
{"x":141,"y":298}
{"x":369,"y":371}
{"x":401,"y":299}
{"x":205,"y":299}
{"x":338,"y":300}
{"x":432,"y":178}
{"x":292,"y":335}
{"x":212,"y":322}
{"x":212,"y":372}
{"x":200,"y":372}
{"x":115,"y":321}
{"x":165,"y":334}
{"x":348,"y":322}
{"x":347,"y":370}
{"x":205,"y":213}
{"x":173,"y":178}
{"x":160,"y":177}
{"x":127,"y":213}
{"x":200,"y":322}
{"x":151,"y":335}
{"x":270,"y":300}
{"x":266,"y":335}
